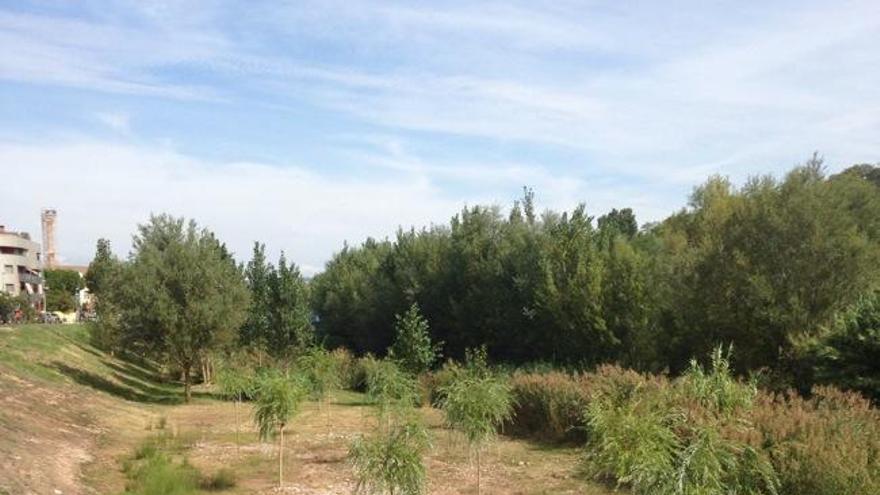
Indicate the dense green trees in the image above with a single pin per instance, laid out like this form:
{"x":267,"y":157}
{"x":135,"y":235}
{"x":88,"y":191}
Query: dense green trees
{"x":766,"y":267}
{"x":529,"y":288}
{"x":62,"y":288}
{"x":847,"y":354}
{"x":756,"y":266}
{"x":346,"y":297}
{"x":762,"y":264}
{"x":279,"y":317}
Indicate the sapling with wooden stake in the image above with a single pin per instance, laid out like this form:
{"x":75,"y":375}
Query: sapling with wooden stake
{"x":322,"y":373}
{"x":391,"y":461}
{"x":476,"y":404}
{"x":278,"y":400}
{"x":392,"y":390}
{"x":235,"y":383}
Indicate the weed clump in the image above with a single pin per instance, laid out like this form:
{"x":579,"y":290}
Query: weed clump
{"x":223,"y":479}
{"x":153,"y":472}
{"x":549,"y":406}
{"x":827,"y":444}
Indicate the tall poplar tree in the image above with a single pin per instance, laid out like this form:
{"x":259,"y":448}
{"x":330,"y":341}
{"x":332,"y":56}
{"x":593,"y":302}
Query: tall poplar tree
{"x":291,"y":316}
{"x":258,"y":274}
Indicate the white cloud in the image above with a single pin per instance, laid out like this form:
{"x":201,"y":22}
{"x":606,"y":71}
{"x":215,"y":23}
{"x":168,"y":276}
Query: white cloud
{"x":101,"y":56}
{"x":104,"y":189}
{"x":667,"y":95}
{"x":117,"y":121}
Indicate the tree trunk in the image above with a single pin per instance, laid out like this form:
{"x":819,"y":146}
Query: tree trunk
{"x":237,"y":441}
{"x":478,"y":471}
{"x":186,"y":384}
{"x":327,"y":406}
{"x":281,"y":458}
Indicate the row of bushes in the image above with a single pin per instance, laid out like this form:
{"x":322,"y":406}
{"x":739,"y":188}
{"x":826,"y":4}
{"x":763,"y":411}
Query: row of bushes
{"x":704,"y":432}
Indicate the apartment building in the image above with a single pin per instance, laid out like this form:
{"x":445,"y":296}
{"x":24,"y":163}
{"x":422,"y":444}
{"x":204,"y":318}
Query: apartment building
{"x":21,"y":267}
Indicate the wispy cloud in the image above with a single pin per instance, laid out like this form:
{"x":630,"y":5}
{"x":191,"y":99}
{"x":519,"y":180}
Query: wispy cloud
{"x":101,"y":56}
{"x":291,"y":207}
{"x":450,"y":103}
{"x":117,"y":121}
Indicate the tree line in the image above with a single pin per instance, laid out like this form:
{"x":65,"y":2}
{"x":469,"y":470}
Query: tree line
{"x":786,"y":270}
{"x":770,"y":267}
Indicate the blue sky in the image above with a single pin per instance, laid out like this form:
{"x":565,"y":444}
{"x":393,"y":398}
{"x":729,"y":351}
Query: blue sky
{"x":305,"y":124}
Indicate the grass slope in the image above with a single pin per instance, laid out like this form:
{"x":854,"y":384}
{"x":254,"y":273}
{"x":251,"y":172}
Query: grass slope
{"x":60,"y":398}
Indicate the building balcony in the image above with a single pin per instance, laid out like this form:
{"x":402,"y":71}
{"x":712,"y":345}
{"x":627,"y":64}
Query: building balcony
{"x":30,"y":278}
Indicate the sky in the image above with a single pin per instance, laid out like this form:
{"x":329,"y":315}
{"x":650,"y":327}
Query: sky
{"x":308,"y":124}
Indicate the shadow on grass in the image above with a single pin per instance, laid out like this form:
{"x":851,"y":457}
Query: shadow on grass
{"x":86,"y":348}
{"x":144,"y":387}
{"x":127,"y":390}
{"x":138,"y":372}
{"x":352,"y":403}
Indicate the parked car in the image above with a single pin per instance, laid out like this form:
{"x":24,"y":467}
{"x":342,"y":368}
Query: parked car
{"x":46,"y":317}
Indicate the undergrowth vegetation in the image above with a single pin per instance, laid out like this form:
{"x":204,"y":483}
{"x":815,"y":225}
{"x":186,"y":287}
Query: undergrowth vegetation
{"x":827,"y":444}
{"x":704,"y":432}
{"x":549,"y":406}
{"x":687,"y":436}
{"x":159,"y":466}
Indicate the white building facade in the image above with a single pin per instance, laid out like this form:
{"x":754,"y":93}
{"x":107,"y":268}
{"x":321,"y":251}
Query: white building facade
{"x":21,"y":267}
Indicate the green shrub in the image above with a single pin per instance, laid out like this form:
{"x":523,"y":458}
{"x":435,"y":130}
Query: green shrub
{"x":157,"y":474}
{"x":318,"y":367}
{"x":412,"y":347}
{"x":145,"y":450}
{"x":362,"y":367}
{"x":223,"y":479}
{"x":347,"y":368}
{"x":549,"y":406}
{"x":434,"y":382}
{"x":689,"y":436}
{"x":847,"y":354}
{"x":390,"y":389}
{"x":828,"y":444}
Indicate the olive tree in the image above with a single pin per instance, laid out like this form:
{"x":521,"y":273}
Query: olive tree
{"x":180,"y":295}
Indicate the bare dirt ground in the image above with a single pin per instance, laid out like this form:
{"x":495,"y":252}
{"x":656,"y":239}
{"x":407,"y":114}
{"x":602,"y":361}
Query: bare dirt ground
{"x":70,"y":416}
{"x":316,"y":453}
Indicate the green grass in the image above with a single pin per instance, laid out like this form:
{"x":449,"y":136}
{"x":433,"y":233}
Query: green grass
{"x":58,"y":353}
